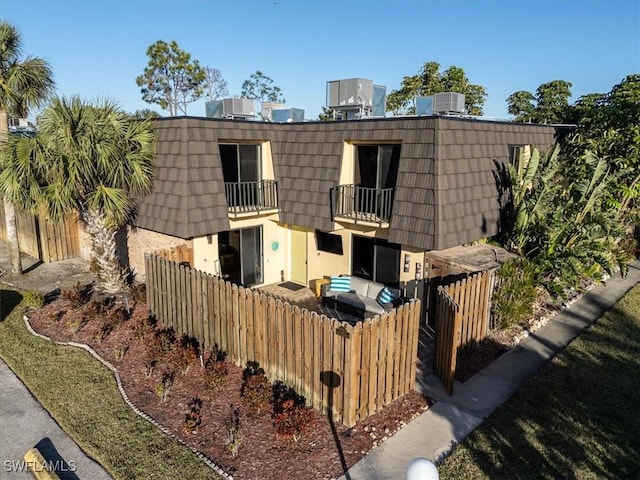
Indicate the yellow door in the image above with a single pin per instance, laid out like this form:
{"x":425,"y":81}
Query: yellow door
{"x":299,"y":256}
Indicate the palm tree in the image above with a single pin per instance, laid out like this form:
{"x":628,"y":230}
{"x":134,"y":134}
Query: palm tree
{"x":24,"y":83}
{"x":92,"y":159}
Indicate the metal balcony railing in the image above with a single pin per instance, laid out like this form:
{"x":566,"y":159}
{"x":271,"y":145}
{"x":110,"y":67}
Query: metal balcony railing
{"x":251,"y":197}
{"x":362,"y":204}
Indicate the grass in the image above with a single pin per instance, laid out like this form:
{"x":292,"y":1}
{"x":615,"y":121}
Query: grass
{"x":579,"y":418}
{"x":81,"y":394}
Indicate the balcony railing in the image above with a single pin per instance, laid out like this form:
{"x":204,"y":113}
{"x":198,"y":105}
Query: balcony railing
{"x":251,"y":197}
{"x":362,"y":204}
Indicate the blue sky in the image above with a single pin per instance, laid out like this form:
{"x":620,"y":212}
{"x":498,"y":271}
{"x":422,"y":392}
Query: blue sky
{"x":97,"y":48}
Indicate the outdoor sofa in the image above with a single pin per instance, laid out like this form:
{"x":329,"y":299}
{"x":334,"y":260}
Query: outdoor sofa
{"x":358,"y":296}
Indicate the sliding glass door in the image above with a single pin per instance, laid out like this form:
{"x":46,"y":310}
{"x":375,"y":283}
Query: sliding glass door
{"x":240,"y":254}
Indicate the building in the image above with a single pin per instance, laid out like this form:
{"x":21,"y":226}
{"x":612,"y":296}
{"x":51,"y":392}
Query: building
{"x":264,"y":202}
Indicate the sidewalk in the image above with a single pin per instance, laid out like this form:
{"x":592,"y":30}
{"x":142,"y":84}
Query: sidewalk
{"x":24,"y":424}
{"x":452,"y":418}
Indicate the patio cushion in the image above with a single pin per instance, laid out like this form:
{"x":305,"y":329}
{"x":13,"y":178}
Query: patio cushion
{"x":386,"y":295}
{"x":359,"y":286}
{"x":340,"y":284}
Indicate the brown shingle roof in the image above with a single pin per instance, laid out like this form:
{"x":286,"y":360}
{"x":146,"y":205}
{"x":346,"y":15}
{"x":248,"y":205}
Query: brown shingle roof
{"x":445,"y":191}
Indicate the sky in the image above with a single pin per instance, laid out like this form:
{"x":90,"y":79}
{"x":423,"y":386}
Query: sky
{"x":97,"y":48}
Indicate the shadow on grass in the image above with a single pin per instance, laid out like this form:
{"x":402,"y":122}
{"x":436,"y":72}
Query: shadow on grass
{"x":576,"y":419}
{"x":9,"y":299}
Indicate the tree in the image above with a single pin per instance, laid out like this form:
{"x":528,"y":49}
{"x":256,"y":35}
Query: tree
{"x":215,"y":85}
{"x":326,"y":115}
{"x":521,"y":105}
{"x":24,"y":83}
{"x":91,"y":159}
{"x":171,"y":79}
{"x":608,"y":125}
{"x":561,"y":221}
{"x":549,"y":105}
{"x":430,"y":81}
{"x":260,"y":87}
{"x":144,"y":113}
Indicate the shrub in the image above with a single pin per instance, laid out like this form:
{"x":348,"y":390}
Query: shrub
{"x":183,"y":354}
{"x":120,"y":350}
{"x":156,"y":348}
{"x":115,"y":317}
{"x":163,"y":387}
{"x":234,"y":436}
{"x":292,"y":420}
{"x":95,"y":308}
{"x":257,"y":393}
{"x":55,"y":317}
{"x":513,"y":299}
{"x":216,"y":369}
{"x":193,"y":418}
{"x":33,"y":299}
{"x":142,"y":326}
{"x":78,"y":295}
{"x":102,"y":333}
{"x":139,"y":292}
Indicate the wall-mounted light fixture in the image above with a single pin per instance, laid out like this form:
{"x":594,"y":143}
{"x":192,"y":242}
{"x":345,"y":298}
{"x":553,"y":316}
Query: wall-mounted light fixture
{"x":418,"y":270}
{"x":209,"y":239}
{"x":407,"y":262}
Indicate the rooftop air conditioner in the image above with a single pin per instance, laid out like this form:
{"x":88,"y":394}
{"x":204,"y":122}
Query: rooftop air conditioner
{"x":448,"y":102}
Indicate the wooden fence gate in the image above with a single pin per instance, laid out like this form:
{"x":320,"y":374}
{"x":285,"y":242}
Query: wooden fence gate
{"x":462,"y":316}
{"x":43,"y":239}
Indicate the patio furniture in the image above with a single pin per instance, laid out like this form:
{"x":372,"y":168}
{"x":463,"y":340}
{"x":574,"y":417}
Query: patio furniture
{"x":358,"y":296}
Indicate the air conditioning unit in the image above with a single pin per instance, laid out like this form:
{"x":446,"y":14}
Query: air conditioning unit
{"x":287,"y":115}
{"x":242,"y":108}
{"x":448,"y":102}
{"x":352,"y":92}
{"x":424,"y":106}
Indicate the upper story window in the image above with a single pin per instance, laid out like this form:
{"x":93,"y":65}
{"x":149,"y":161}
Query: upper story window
{"x":376,"y":166}
{"x":519,"y":156}
{"x":240,"y":162}
{"x":245,"y":186}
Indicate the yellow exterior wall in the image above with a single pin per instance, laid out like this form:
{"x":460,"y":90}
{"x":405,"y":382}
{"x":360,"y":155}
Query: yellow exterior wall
{"x":274,"y":248}
{"x":322,"y":264}
{"x":347,"y":167}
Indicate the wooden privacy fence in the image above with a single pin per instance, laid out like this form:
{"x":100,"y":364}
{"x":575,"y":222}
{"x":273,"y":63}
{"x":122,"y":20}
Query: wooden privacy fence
{"x":40,"y":238}
{"x":350,"y":371}
{"x":462,"y":316}
{"x":179,"y":254}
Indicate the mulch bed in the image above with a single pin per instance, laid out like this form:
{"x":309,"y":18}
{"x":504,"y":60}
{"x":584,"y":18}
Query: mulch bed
{"x":317,"y":453}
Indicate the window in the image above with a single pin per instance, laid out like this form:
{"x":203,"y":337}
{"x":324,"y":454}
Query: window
{"x":240,"y":162}
{"x":377,"y":166}
{"x":519,"y":156}
{"x":329,"y":242}
{"x":375,"y":259}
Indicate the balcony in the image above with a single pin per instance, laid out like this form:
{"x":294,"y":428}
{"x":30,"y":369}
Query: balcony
{"x":251,"y":197}
{"x":362,"y":204}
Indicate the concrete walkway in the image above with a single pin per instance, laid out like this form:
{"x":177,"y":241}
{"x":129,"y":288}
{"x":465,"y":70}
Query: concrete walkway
{"x":24,"y":424}
{"x":452,"y":418}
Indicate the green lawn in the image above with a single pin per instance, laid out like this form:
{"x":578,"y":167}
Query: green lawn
{"x":81,"y":394}
{"x":579,"y":418}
